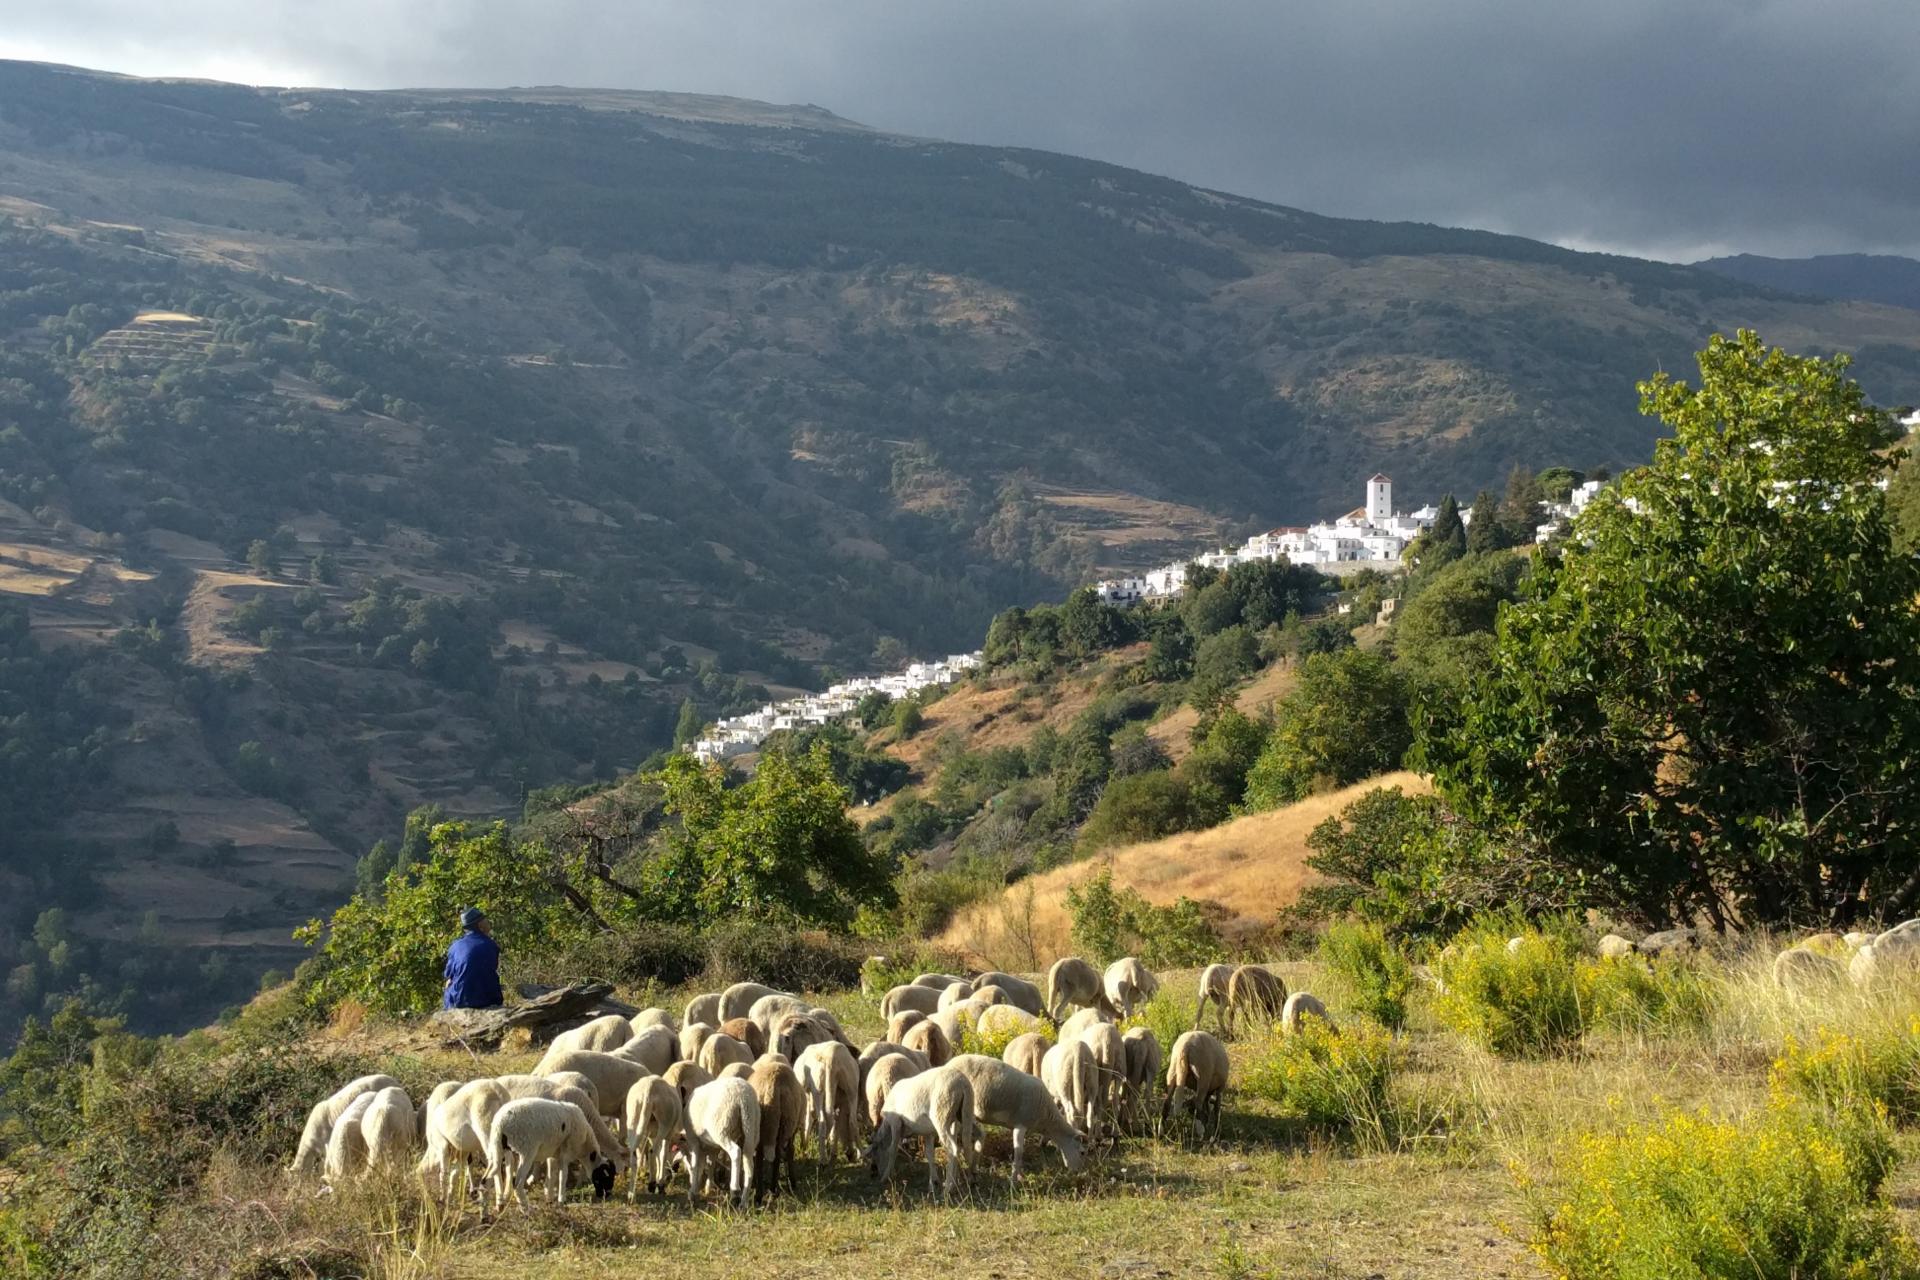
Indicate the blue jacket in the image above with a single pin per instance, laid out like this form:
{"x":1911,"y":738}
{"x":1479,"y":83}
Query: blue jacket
{"x":473,"y":973}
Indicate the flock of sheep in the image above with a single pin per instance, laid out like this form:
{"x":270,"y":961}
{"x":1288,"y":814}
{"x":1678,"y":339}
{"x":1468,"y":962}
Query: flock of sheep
{"x":747,"y":1072}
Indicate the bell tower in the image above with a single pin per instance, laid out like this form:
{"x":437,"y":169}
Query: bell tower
{"x":1379,"y":499}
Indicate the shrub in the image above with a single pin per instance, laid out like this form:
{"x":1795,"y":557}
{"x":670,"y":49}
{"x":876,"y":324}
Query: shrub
{"x":782,"y":958}
{"x":993,"y":1044}
{"x":1695,"y":1198}
{"x":1166,"y":1015}
{"x":1109,"y":923}
{"x":1512,"y":1001}
{"x":1645,"y":994}
{"x":1139,"y":806}
{"x":1839,"y":1070}
{"x":641,"y":952}
{"x":1330,"y":1082}
{"x":904,"y":960}
{"x":1374,"y":968}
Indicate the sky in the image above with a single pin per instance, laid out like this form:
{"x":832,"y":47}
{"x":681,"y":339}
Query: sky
{"x":1674,"y":129}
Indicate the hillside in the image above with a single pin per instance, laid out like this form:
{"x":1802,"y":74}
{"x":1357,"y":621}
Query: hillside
{"x":360,"y":451}
{"x":1864,"y":277}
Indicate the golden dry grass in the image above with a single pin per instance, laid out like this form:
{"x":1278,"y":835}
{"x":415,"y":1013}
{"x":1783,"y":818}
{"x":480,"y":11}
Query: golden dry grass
{"x":1252,"y":866}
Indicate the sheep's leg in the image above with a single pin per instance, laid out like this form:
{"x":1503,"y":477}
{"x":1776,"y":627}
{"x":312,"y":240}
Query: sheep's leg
{"x":1019,"y":1151}
{"x":560,"y":1192}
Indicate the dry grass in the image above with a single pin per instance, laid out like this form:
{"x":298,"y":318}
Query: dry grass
{"x":1174,"y":730}
{"x":1252,"y":866}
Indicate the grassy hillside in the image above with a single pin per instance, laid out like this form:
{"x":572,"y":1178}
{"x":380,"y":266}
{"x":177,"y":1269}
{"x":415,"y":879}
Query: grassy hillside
{"x":360,"y":451}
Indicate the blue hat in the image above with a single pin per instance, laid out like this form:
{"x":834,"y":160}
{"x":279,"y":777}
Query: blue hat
{"x":471,"y":917}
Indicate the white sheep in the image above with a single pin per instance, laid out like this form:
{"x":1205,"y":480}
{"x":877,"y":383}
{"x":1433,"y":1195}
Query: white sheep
{"x":1128,"y":983}
{"x":899,"y":1023}
{"x":528,"y":1132}
{"x":1615,"y":947}
{"x":937,"y":981}
{"x":654,"y":1116}
{"x":1019,"y":990}
{"x":954,"y":1020}
{"x":953,"y":995}
{"x":457,"y":1131}
{"x":795,"y":1033}
{"x":654,"y":1048}
{"x":929,"y":1039}
{"x":702,"y":1008}
{"x":1143,"y":1067}
{"x":723,"y":1119}
{"x":737,"y":1000}
{"x":1072,"y":981}
{"x":1197,"y":1066}
{"x":1004,"y":1019}
{"x":1253,"y":990}
{"x":653,"y":1017}
{"x":1027,"y":1051}
{"x":310,"y":1157}
{"x":924,"y":1000}
{"x":878,"y":1049}
{"x":1214,"y":980}
{"x":1110,"y":1064}
{"x":831,"y":1078}
{"x":1082,"y":1021}
{"x":770,"y":1011}
{"x":692,"y":1036}
{"x":602,"y":1035}
{"x":612,"y":1077}
{"x":347,"y":1145}
{"x":1302,"y":1005}
{"x":826,"y":1018}
{"x":1011,"y":1099}
{"x":720,"y":1050}
{"x":935,"y":1106}
{"x":685,"y":1077}
{"x":1801,"y":968}
{"x":888,"y":1070}
{"x":991,"y":993}
{"x":736,"y":1071}
{"x":1073,"y":1079}
{"x":388,"y":1128}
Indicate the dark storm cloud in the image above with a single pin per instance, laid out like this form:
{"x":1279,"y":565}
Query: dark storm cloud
{"x":1672,"y":129}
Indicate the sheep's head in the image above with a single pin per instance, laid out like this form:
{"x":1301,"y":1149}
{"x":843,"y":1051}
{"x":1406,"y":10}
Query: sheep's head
{"x":880,"y":1152}
{"x":1072,"y":1149}
{"x":603,"y":1176}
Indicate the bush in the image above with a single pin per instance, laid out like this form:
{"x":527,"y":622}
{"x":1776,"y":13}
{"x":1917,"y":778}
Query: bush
{"x":903,"y":960}
{"x":1167,"y":1015}
{"x":1137,"y":807}
{"x":1345,"y":721}
{"x":1645,"y":994}
{"x":1329,"y":1082}
{"x":1519,"y":1001}
{"x":782,"y":958}
{"x":1788,"y":1195}
{"x":1374,"y":968}
{"x":642,"y":952}
{"x":993,"y":1044}
{"x":1839,"y":1070}
{"x":1109,"y":923}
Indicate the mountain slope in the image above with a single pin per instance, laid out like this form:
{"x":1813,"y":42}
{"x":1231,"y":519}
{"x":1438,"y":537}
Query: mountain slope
{"x":1865,"y":277}
{"x":368,"y":450}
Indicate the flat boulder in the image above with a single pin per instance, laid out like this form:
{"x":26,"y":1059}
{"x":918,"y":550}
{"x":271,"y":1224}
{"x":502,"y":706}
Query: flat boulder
{"x":544,"y":1016}
{"x":1668,"y":942}
{"x":1801,"y":969}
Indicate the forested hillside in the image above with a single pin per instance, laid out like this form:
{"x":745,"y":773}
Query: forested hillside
{"x":365,"y":451}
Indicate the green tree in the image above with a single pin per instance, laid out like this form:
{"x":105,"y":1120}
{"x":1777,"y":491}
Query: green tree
{"x":1219,"y":665}
{"x":689,"y":725}
{"x":1345,"y":721}
{"x":1484,"y":531}
{"x":1088,"y":626}
{"x":1444,"y":633}
{"x":907,"y":718}
{"x":1520,"y":511}
{"x":1138,"y":806}
{"x":1215,"y":771}
{"x":1445,"y":542}
{"x":264,"y":560}
{"x":1903,"y":507}
{"x":1711,"y":702}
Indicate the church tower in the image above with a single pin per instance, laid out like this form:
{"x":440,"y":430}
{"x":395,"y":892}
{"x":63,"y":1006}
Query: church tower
{"x":1379,"y":500}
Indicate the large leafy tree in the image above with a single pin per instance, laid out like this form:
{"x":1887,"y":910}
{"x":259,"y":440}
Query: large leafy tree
{"x":1345,"y":721}
{"x":1711,"y":703}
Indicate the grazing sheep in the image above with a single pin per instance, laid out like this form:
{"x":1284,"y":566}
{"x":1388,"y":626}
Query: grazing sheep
{"x":1011,"y":1099}
{"x":1072,"y":981}
{"x":879,"y":1049}
{"x":924,"y":1000}
{"x":722,"y":1049}
{"x":311,"y":1155}
{"x":935,"y":1106}
{"x":1072,"y":1077}
{"x":1143,"y":1068}
{"x":770,"y":1011}
{"x":1004,"y":1019}
{"x":783,"y":1107}
{"x":736,"y":1071}
{"x":954,"y":1020}
{"x":929,"y":1039}
{"x":1214,"y":980}
{"x":685,"y":1077}
{"x":826,"y":1018}
{"x":723,"y":1119}
{"x":702,"y":1008}
{"x":457,"y":1132}
{"x":654,"y":1048}
{"x":937,"y":981}
{"x":692,"y":1036}
{"x":1895,"y":951}
{"x":1198,"y":1066}
{"x":991,"y":994}
{"x":737,"y":1000}
{"x":1026,"y":1052}
{"x":831,"y":1078}
{"x":612,"y":1077}
{"x":1019,"y":990}
{"x":654,"y":1117}
{"x":1083,"y":1020}
{"x":654,"y":1017}
{"x":747,"y":1032}
{"x":1254,"y":990}
{"x":890,"y":1069}
{"x":347,"y":1145}
{"x":530,"y":1131}
{"x":1801,"y":969}
{"x":1300,"y":1006}
{"x":1128,"y":983}
{"x":602,"y":1035}
{"x":441,"y":1092}
{"x":388,"y":1128}
{"x":798,"y":1032}
{"x":898,"y":1024}
{"x":1613,"y":947}
{"x":953,"y":995}
{"x":1110,"y":1062}
{"x":576,"y":1080}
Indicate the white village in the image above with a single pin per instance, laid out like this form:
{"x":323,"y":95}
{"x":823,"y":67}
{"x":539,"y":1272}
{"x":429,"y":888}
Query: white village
{"x":1371,"y":536}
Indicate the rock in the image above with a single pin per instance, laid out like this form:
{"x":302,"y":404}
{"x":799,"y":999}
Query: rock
{"x":1860,"y":968}
{"x":1857,"y":939}
{"x":1826,"y":940}
{"x":544,"y":1016}
{"x":1799,"y":969}
{"x":1613,"y":946}
{"x":1905,"y":926}
{"x":1896,"y":950}
{"x":1667,"y":942}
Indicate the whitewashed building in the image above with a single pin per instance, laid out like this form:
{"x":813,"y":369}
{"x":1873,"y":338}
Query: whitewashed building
{"x":742,"y":734}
